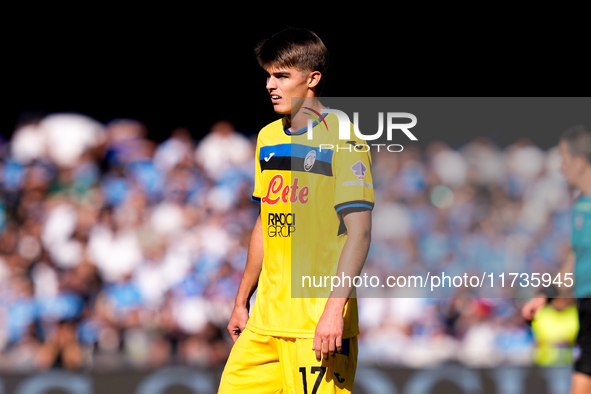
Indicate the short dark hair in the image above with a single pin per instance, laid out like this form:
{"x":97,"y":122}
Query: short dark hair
{"x":293,"y":47}
{"x":578,"y":140}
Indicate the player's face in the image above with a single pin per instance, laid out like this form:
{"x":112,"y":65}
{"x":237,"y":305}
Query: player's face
{"x":569,"y":163}
{"x":283,"y":83}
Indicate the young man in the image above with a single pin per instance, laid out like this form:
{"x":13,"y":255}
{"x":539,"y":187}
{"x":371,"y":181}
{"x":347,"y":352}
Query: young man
{"x":293,"y":341}
{"x":575,"y":149}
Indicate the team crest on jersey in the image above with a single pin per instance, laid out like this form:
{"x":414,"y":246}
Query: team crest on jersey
{"x":310,"y":160}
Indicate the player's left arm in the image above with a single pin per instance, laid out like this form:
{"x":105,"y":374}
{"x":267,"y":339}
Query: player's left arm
{"x":329,"y":331}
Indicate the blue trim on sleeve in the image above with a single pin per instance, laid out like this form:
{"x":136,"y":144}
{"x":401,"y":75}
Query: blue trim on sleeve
{"x":368,"y":206}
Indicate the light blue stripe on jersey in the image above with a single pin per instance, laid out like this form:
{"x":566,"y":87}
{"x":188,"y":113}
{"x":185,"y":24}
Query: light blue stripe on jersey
{"x":356,"y":205}
{"x":295,"y":150}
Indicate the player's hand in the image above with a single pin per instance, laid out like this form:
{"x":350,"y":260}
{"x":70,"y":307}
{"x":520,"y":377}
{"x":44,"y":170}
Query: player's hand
{"x":531,"y":307}
{"x":237,"y":321}
{"x":328,"y":336}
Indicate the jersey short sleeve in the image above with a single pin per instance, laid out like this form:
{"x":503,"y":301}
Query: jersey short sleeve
{"x":353,"y":180}
{"x":258,"y":176}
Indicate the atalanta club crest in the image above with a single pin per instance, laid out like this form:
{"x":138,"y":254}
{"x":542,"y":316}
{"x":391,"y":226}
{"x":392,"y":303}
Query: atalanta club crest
{"x":310,"y":160}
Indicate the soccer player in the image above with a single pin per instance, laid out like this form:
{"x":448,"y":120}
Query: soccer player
{"x":575,"y":149}
{"x":315,"y":220}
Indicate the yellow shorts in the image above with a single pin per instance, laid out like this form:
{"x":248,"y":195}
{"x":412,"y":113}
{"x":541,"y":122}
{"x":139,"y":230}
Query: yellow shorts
{"x":264,"y":364}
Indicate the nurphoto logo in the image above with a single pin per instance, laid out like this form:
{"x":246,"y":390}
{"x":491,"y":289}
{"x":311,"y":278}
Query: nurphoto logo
{"x":345,"y":129}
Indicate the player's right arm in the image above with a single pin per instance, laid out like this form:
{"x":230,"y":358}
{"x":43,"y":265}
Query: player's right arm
{"x":249,"y":282}
{"x":529,"y":309}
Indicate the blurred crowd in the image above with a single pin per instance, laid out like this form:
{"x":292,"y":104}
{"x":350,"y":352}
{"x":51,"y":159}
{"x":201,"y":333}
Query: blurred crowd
{"x":478,"y":208}
{"x":117,"y":251}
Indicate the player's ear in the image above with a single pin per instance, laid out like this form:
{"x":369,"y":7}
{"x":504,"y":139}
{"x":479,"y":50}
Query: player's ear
{"x":314,"y":78}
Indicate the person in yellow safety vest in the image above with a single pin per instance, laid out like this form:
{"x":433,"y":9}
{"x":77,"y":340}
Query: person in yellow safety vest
{"x":555,"y":331}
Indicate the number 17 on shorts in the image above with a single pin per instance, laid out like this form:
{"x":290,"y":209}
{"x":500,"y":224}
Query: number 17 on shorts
{"x":332,"y":376}
{"x":265,"y":364}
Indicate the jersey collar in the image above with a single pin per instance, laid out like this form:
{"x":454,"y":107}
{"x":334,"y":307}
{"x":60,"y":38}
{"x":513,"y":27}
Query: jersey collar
{"x":303,"y":130}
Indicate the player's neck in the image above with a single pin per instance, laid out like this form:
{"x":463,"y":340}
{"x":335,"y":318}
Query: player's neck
{"x":585,"y":184}
{"x":299,"y":119}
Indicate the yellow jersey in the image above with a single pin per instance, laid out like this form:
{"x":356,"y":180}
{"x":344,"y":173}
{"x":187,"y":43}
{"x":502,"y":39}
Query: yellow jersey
{"x":302,"y":186}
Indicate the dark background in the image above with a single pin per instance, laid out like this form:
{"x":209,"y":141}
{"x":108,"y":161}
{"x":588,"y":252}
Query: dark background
{"x":191,"y":69}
